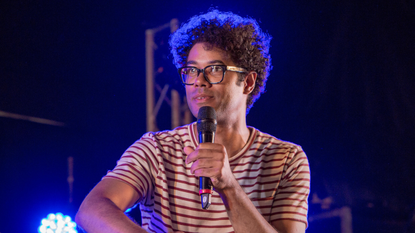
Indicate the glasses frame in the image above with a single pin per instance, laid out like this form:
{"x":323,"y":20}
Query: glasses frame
{"x":226,"y":68}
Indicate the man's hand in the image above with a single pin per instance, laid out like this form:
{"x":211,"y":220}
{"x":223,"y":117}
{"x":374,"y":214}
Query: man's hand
{"x":211,"y":160}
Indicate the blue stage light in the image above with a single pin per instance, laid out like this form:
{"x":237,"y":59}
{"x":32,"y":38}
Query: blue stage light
{"x":57,"y":223}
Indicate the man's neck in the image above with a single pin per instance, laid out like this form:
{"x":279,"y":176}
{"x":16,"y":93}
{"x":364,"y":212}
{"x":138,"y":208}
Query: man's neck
{"x":233,"y":137}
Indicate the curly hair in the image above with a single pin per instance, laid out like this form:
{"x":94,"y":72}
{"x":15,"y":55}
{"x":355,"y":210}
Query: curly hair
{"x":241,"y":38}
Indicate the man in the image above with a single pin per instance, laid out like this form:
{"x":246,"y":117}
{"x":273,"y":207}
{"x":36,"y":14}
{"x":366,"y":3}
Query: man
{"x":261,"y":183}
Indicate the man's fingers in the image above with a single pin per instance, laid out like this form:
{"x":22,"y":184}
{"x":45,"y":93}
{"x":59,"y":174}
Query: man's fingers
{"x":205,"y":167}
{"x":204,"y":150}
{"x":188,"y":150}
{"x":207,"y":172}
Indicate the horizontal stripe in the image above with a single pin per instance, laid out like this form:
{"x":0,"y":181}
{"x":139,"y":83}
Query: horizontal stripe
{"x":287,"y":205}
{"x":249,"y":170}
{"x":201,"y":225}
{"x":287,"y":212}
{"x":119,"y":170}
{"x":191,"y":208}
{"x":261,"y":161}
{"x":143,"y":156}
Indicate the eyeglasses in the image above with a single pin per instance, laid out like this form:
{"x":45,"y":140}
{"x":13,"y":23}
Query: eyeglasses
{"x":213,"y":74}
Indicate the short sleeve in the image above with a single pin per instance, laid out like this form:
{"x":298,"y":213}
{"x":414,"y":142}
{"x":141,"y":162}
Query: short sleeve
{"x":290,"y":201}
{"x":138,"y":166}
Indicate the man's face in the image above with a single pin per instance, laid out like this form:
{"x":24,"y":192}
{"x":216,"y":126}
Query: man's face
{"x":227,"y":98}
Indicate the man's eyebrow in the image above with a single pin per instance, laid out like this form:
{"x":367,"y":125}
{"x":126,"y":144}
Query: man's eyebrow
{"x":191,"y":62}
{"x":216,"y":62}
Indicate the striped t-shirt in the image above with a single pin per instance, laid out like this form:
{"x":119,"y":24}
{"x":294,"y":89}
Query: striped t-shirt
{"x":273,"y":173}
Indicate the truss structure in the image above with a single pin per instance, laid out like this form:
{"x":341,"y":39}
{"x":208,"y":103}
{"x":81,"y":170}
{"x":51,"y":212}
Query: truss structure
{"x":180,"y":113}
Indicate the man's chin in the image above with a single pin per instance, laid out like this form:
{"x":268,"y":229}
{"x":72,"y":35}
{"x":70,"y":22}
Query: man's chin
{"x":195,"y":108}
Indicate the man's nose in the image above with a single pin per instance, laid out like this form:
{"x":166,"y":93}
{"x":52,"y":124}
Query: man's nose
{"x":201,"y":80}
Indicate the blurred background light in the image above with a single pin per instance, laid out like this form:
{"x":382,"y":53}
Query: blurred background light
{"x":57,"y":223}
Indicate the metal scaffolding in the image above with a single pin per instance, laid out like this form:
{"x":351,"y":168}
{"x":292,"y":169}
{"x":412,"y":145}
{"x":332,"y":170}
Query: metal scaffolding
{"x":180,"y":113}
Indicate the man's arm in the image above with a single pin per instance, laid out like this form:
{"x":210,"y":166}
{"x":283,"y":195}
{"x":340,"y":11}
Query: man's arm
{"x":103,"y":208}
{"x":289,"y":226}
{"x":246,"y":218}
{"x":211,"y":160}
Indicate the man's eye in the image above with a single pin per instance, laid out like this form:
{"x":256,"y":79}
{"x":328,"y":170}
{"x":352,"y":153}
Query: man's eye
{"x":192,"y":70}
{"x":216,"y":68}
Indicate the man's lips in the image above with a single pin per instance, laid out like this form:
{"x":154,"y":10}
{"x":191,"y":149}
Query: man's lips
{"x":201,"y":97}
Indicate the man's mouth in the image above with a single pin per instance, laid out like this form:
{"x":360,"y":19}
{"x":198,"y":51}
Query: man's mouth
{"x":199,"y":98}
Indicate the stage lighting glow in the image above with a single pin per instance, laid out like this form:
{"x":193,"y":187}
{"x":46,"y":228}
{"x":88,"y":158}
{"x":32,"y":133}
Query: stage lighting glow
{"x":57,"y":223}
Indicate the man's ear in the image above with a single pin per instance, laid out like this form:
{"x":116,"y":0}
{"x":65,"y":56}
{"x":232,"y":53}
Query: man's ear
{"x":249,"y":83}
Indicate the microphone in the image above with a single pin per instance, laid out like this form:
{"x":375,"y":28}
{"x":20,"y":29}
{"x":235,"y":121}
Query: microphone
{"x":206,"y":126}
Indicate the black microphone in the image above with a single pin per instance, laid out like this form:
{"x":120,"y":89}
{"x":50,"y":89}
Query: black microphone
{"x":206,"y":126}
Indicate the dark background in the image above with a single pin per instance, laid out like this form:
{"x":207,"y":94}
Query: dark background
{"x":342,"y":86}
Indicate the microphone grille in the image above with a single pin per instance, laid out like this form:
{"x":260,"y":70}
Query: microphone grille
{"x":206,"y":119}
{"x":206,"y":112}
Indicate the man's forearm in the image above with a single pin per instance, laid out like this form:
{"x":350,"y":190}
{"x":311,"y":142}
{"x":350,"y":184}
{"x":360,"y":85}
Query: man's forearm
{"x":242,"y":212}
{"x":102,"y":215}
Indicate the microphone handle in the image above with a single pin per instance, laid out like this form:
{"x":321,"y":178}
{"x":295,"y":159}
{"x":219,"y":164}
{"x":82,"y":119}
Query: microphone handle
{"x":205,"y":185}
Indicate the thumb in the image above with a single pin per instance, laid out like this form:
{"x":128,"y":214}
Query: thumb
{"x":188,"y":150}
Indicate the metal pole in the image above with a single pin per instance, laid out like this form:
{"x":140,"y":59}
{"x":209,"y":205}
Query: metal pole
{"x":175,"y":109}
{"x":175,"y":97}
{"x":151,"y":117}
{"x":151,"y":126}
{"x":187,"y":118}
{"x":31,"y":118}
{"x":70,"y":178}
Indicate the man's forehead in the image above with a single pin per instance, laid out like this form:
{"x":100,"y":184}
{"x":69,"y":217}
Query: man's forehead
{"x":212,"y":62}
{"x":207,"y":53}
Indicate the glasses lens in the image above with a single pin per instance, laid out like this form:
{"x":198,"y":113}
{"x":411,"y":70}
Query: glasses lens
{"x":215,"y":73}
{"x":188,"y":74}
